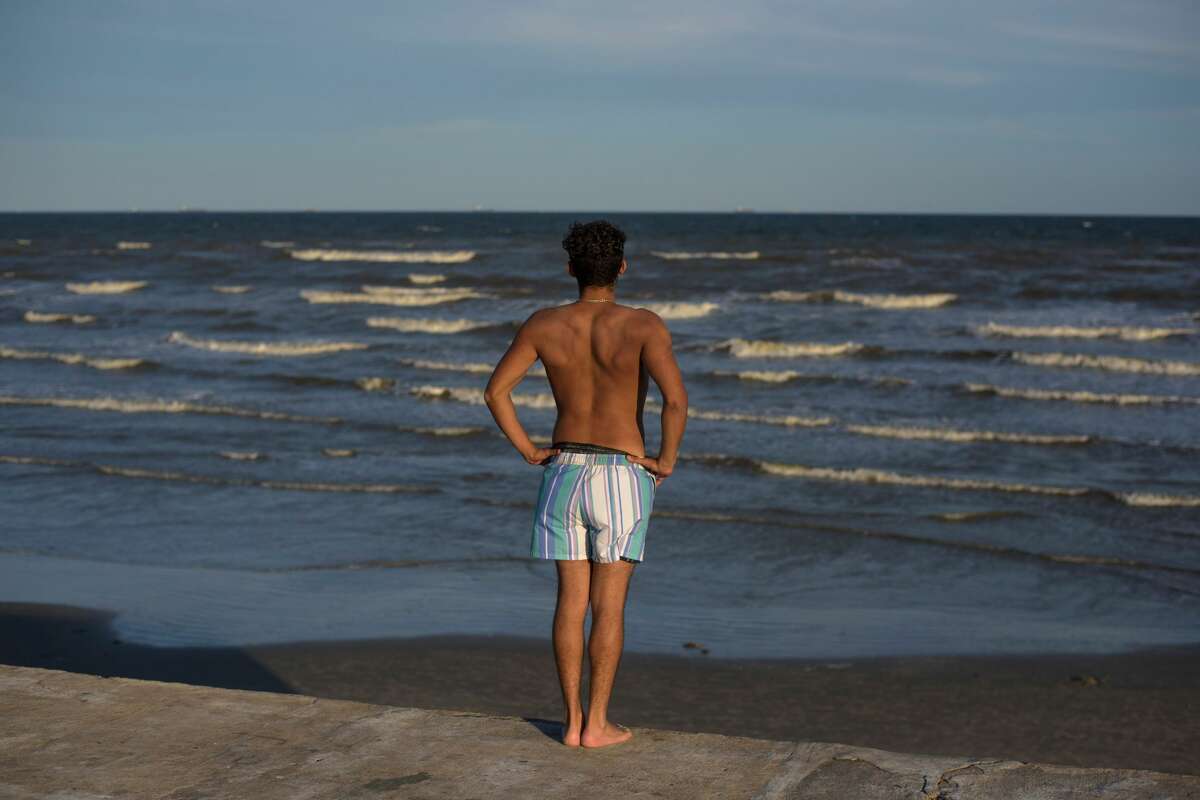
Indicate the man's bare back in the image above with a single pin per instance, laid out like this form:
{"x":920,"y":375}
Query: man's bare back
{"x":593,"y":357}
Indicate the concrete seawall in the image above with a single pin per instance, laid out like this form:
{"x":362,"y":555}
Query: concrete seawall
{"x":69,"y":736}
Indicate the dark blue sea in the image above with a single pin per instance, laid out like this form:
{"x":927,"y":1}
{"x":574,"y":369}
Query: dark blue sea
{"x":908,"y":434}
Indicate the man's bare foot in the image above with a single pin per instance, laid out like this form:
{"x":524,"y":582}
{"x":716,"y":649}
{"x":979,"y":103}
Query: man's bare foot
{"x":571,"y":732}
{"x":610,"y":734}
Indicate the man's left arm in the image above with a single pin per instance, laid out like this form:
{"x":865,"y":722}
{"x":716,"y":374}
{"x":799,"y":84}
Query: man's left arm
{"x":509,"y":372}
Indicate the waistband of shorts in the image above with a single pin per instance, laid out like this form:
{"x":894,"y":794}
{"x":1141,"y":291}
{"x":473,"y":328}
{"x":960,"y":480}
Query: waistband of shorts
{"x":566,"y":457}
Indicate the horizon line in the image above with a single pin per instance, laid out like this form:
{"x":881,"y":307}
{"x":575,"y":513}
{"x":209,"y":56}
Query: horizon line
{"x":730,"y":212}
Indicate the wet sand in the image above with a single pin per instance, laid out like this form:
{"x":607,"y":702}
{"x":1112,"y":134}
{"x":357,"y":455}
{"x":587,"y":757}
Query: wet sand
{"x":1136,"y":710}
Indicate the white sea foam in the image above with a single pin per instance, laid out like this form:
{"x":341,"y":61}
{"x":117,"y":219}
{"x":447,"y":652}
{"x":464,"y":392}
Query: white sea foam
{"x":769,"y":376}
{"x":445,"y":326}
{"x":1079,"y":396}
{"x":1130,"y":333}
{"x":133,"y":245}
{"x":952,"y":435}
{"x":785,"y":375}
{"x":680,"y":310}
{"x":862,"y":475}
{"x":232,"y":289}
{"x":265,"y":348}
{"x":333,"y":452}
{"x":885,"y":301}
{"x":105,"y":287}
{"x":478,"y":367}
{"x":451,"y":366}
{"x":1160,"y":500}
{"x":276,"y":245}
{"x":1110,"y":363}
{"x":77,"y":319}
{"x":475,"y":396}
{"x":416,"y":291}
{"x":417,"y":297}
{"x":214,"y":480}
{"x":450,"y":431}
{"x":787,"y":420}
{"x":155,"y":406}
{"x":720,"y":255}
{"x":375,"y":384}
{"x":241,"y":455}
{"x":387,"y":256}
{"x":71,"y":358}
{"x":750,"y":348}
{"x":419,"y":278}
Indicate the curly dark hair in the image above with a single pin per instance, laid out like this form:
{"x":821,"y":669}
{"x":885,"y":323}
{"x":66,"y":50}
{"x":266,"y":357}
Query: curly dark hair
{"x":595,"y":250}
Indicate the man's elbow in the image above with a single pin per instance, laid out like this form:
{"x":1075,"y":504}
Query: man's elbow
{"x":676,"y":401}
{"x":493,"y":395}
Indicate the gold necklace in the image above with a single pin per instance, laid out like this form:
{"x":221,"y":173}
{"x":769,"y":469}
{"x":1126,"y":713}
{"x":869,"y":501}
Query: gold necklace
{"x":585,"y":300}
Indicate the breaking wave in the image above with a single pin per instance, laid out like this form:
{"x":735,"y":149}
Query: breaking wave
{"x":886,"y":301}
{"x":1129,"y":333}
{"x":375,"y":384}
{"x":451,"y":431}
{"x":1080,"y":396}
{"x":786,"y":375}
{"x":155,"y":406}
{"x":105,"y":287}
{"x":788,"y":420}
{"x":475,"y":396}
{"x":241,"y":455}
{"x":232,"y":289}
{"x":477,"y":367}
{"x":451,"y":366}
{"x":878,"y":476}
{"x":77,"y":319}
{"x":214,"y":480}
{"x":418,"y":278}
{"x":276,"y":245}
{"x":749,"y":348}
{"x":72,"y":358}
{"x":719,"y":255}
{"x":386,"y":256}
{"x":426,"y":325}
{"x":392,"y":297}
{"x":680,"y":310}
{"x":133,"y":245}
{"x":1160,"y":500}
{"x":952,"y":435}
{"x":265,"y":348}
{"x":333,"y":452}
{"x":1110,"y":363}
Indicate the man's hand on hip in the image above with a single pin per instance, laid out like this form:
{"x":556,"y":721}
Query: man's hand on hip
{"x":660,"y":469}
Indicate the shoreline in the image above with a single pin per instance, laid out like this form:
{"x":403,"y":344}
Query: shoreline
{"x":1138,"y":710}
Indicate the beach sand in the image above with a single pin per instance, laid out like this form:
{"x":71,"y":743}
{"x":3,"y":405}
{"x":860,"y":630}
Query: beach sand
{"x":1136,"y":710}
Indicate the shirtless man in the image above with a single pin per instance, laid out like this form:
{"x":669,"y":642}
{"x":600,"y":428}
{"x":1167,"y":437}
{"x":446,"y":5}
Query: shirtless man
{"x":598,"y":484}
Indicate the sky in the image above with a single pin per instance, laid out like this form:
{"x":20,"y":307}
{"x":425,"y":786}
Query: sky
{"x":939,"y":106}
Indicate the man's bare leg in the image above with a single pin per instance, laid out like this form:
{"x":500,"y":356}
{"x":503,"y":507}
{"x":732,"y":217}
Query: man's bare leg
{"x":609,"y":586}
{"x":570,"y":611}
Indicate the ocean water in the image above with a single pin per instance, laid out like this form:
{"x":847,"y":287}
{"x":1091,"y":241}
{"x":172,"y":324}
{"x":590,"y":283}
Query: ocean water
{"x":909,"y":434}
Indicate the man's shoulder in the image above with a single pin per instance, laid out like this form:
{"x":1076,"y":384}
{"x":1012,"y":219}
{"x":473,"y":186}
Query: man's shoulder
{"x":646,"y":319}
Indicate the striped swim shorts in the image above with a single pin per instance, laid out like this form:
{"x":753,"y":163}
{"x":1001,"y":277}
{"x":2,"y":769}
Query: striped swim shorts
{"x":593,"y":506}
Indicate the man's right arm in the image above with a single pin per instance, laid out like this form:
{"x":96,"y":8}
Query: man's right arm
{"x":659,"y":361}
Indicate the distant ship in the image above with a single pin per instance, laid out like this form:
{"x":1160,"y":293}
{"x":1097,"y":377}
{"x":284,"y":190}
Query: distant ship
{"x":743,"y":210}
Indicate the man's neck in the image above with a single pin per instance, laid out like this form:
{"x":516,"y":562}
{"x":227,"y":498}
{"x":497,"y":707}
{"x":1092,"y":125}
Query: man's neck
{"x":598,"y":294}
